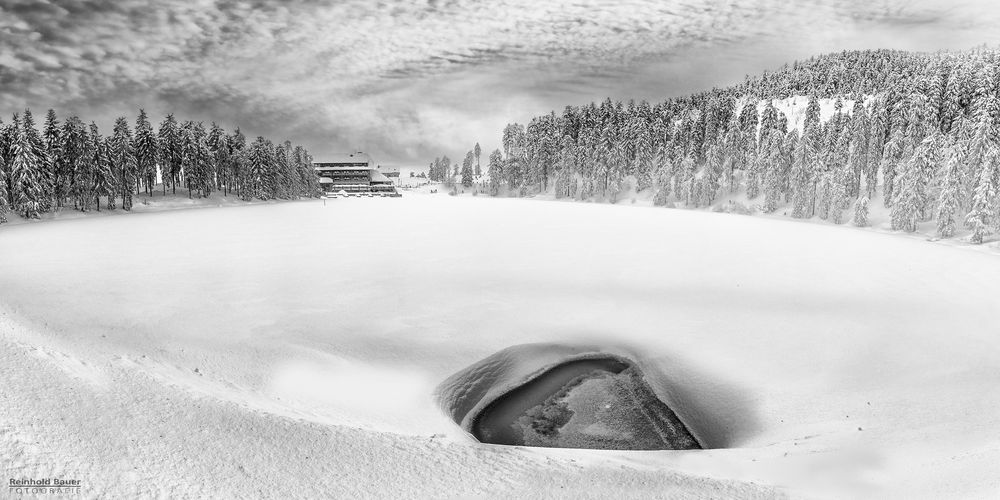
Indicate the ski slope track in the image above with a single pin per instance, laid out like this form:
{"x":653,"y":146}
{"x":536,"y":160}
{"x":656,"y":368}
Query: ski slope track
{"x":303,"y":350}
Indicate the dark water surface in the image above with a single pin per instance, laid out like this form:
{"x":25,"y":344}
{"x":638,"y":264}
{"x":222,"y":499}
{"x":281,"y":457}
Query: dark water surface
{"x":495,"y":424}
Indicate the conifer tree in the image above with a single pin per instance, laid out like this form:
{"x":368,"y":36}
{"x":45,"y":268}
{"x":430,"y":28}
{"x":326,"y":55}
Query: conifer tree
{"x":861,"y":212}
{"x":824,"y":195}
{"x":4,"y":195}
{"x":169,"y":153}
{"x":950,"y":200}
{"x":219,"y":151}
{"x":714,"y":168}
{"x":26,"y":171}
{"x":123,"y":162}
{"x":857,"y":154}
{"x":896,"y":151}
{"x":53,"y":147}
{"x":839,"y":199}
{"x":258,"y":171}
{"x":288,"y":173}
{"x":685,"y":189}
{"x":308,"y":180}
{"x":801,"y":180}
{"x":905,"y":213}
{"x":983,"y":218}
{"x":877,"y":137}
{"x":145,"y":150}
{"x":513,"y":145}
{"x":756,"y":169}
{"x":467,"y":169}
{"x":196,"y":160}
{"x":478,"y":151}
{"x":495,"y":171}
{"x":207,"y":168}
{"x":189,"y":156}
{"x":286,"y":182}
{"x":39,"y":151}
{"x":774,"y":178}
{"x":74,"y":161}
{"x":105,"y":182}
{"x":663,"y":176}
{"x":271,"y":180}
{"x":238,"y":158}
{"x":811,"y":127}
{"x":83,"y":174}
{"x":566,"y":175}
{"x":444,"y":168}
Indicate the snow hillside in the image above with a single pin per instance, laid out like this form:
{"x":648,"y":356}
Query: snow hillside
{"x":795,"y":108}
{"x":294,"y":349}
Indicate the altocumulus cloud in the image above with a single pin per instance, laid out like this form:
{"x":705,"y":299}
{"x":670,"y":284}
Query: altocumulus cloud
{"x":409,"y":80}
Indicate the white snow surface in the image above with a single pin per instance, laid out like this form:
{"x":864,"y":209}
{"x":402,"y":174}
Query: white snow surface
{"x":292,"y":350}
{"x":794,"y":108}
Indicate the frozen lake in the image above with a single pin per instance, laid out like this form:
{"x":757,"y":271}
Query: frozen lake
{"x":300,"y":340}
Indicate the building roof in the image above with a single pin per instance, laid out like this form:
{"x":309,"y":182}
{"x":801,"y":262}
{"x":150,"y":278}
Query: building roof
{"x":358,"y":157}
{"x":378,"y":177}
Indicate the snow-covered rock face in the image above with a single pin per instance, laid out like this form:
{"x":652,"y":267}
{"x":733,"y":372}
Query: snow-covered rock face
{"x":559,"y":396}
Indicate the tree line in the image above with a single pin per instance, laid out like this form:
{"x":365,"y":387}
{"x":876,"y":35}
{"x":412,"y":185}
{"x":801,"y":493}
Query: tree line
{"x":441,"y":170}
{"x":917,"y":132}
{"x":73,"y":164}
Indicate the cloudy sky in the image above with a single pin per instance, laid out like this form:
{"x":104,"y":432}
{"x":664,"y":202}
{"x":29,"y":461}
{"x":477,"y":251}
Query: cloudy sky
{"x":408,"y":80}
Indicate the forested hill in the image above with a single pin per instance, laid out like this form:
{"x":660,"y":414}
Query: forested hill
{"x":916,"y":133}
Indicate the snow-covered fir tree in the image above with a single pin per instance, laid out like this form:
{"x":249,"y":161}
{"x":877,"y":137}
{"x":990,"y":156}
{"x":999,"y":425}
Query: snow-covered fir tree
{"x":909,"y":193}
{"x":123,"y":162}
{"x":26,"y":171}
{"x":951,"y":198}
{"x":238,"y":163}
{"x":219,"y":150}
{"x":56,"y":185}
{"x":478,"y":151}
{"x":467,"y":169}
{"x":308,"y":181}
{"x":565,"y":185}
{"x":495,"y":170}
{"x":861,"y":211}
{"x":75,"y":162}
{"x":983,"y":219}
{"x":4,"y":194}
{"x":105,"y":180}
{"x":258,"y":176}
{"x":169,"y":152}
{"x":145,"y":150}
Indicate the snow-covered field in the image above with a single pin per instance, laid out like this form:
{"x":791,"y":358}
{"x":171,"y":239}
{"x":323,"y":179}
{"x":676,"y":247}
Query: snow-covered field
{"x":293,"y":350}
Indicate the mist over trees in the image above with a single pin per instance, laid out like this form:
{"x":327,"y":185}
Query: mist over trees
{"x":917,"y":133}
{"x":73,"y":164}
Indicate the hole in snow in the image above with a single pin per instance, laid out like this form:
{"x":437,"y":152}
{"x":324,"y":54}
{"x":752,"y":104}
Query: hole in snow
{"x":559,"y":397}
